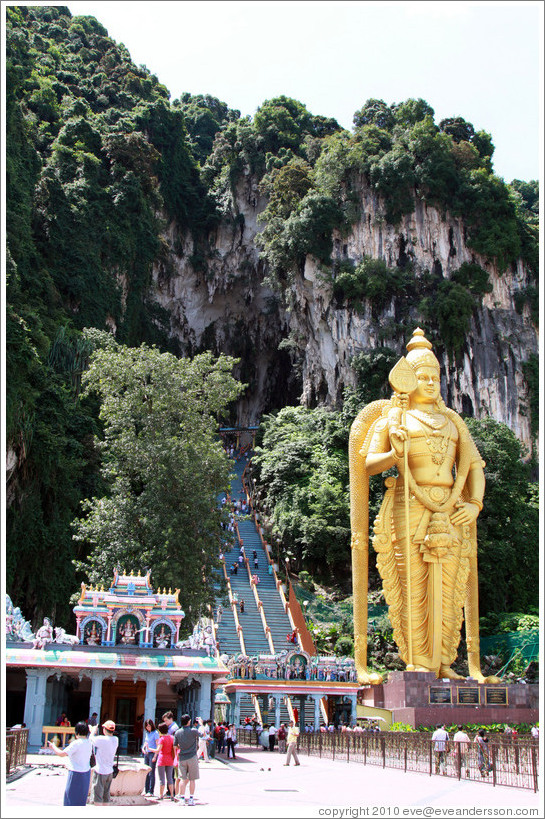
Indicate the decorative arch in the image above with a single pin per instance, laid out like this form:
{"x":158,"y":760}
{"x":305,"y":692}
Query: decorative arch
{"x":130,"y":614}
{"x":161,"y":622}
{"x":87,"y":621}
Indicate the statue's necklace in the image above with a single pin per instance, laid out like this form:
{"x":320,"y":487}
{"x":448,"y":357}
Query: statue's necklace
{"x":437,"y":443}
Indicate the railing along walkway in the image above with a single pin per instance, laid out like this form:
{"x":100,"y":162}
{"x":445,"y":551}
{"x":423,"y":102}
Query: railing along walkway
{"x":16,"y":749}
{"x":513,"y":763}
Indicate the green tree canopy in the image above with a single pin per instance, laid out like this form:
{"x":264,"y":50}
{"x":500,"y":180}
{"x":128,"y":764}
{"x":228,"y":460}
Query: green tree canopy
{"x":163,"y":464}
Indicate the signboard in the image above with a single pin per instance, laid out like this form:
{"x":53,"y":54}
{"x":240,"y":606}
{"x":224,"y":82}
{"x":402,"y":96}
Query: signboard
{"x":496,"y":695}
{"x":440,"y":695}
{"x":468,"y":696}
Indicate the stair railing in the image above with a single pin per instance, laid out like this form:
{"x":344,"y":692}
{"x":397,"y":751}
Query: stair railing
{"x":259,"y":605}
{"x":323,"y":709}
{"x":234,"y":608}
{"x":257,"y":709}
{"x":289,"y":706}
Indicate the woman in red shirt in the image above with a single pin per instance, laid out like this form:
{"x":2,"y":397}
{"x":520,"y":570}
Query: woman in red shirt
{"x":165,"y":760}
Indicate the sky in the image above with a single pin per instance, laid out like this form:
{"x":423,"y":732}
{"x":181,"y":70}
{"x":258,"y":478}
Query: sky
{"x":479,"y":60}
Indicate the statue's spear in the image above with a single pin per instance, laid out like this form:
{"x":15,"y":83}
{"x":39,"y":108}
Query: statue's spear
{"x":403,"y":381}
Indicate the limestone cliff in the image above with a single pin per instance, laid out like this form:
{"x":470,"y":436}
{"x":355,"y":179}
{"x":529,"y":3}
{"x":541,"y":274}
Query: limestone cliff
{"x":227,"y":308}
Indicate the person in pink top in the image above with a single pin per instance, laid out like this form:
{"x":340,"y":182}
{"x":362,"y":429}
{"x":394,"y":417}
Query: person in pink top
{"x":165,"y":761}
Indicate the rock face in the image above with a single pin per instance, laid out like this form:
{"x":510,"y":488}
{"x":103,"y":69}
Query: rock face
{"x":228,"y":309}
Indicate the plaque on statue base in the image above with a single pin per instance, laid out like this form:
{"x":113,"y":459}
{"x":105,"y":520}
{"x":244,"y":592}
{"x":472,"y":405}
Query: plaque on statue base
{"x":419,"y":698}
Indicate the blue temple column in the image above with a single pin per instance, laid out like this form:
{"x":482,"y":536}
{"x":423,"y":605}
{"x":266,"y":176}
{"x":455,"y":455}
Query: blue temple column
{"x":36,"y":683}
{"x":205,"y":696}
{"x":277,"y":703}
{"x":317,"y":698}
{"x":150,"y":702}
{"x":95,"y":700}
{"x":236,"y":714}
{"x":354,"y":709}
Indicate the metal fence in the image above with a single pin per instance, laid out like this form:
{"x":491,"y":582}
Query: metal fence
{"x":16,"y":749}
{"x":510,"y":762}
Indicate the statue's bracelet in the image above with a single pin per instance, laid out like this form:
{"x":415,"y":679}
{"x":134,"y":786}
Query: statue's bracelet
{"x":477,"y":503}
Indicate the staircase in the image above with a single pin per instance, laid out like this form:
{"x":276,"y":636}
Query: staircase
{"x":255,"y":639}
{"x":277,"y":619}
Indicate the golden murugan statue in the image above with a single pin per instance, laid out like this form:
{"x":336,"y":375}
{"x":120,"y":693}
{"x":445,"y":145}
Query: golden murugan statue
{"x":425,"y":532}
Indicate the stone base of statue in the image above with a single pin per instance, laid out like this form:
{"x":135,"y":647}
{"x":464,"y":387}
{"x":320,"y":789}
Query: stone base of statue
{"x":419,"y":698}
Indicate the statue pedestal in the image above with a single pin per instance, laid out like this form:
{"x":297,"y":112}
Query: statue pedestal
{"x":419,"y":698}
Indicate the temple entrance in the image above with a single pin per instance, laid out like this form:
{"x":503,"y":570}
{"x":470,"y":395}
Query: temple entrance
{"x":125,"y":719}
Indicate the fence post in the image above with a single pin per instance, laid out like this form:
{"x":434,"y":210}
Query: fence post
{"x":347,"y":735}
{"x":334,"y":742}
{"x":534,"y":766}
{"x":431,"y":757}
{"x":458,"y":747}
{"x":405,"y":756}
{"x":365,"y":736}
{"x":320,"y":744}
{"x":493,"y":752}
{"x":383,"y":744}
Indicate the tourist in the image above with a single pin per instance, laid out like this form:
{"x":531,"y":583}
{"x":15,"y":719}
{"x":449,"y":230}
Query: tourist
{"x":483,"y":758}
{"x":219,"y":736}
{"x":172,"y":726}
{"x":241,"y":606}
{"x":204,"y":733}
{"x":256,"y":563}
{"x":440,"y":740}
{"x":461,"y":743}
{"x":535,"y":731}
{"x":263,"y":737}
{"x":164,"y":756}
{"x":60,"y":720}
{"x":149,"y":748}
{"x":93,"y":719}
{"x":186,"y":739}
{"x":231,"y":741}
{"x":293,"y":734}
{"x":272,"y":737}
{"x":105,"y":749}
{"x":79,"y":766}
{"x":281,"y":735}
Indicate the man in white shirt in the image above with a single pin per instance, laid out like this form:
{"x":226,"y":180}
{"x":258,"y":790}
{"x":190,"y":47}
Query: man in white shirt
{"x":535,"y":731}
{"x":462,"y":744}
{"x":440,"y":746}
{"x":105,"y":749}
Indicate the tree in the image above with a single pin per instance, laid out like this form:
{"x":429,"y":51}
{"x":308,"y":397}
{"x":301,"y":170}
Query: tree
{"x":164,"y":466}
{"x":508,"y":526}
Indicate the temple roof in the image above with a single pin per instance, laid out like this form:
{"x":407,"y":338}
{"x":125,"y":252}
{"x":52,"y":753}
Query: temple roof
{"x":68,"y":658}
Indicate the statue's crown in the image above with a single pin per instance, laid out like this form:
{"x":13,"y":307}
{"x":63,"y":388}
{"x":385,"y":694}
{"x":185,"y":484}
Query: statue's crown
{"x":420,"y":351}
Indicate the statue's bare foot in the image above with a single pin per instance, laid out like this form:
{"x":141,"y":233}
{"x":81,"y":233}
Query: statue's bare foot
{"x":480,"y":678}
{"x":369,"y":677}
{"x":446,"y":672}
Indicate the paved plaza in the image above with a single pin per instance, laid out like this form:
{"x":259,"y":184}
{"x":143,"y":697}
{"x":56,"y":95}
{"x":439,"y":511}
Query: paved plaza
{"x":257,"y":784}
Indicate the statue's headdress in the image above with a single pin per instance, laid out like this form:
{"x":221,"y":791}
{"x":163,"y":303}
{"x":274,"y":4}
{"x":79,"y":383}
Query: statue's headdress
{"x":420,"y":352}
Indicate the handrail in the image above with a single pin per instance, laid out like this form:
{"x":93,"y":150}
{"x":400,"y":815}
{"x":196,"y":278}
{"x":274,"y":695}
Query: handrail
{"x":257,"y":709}
{"x":234,"y":608}
{"x":323,"y":709}
{"x":16,"y":748}
{"x":289,"y":706}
